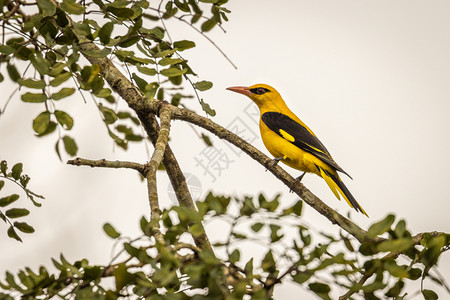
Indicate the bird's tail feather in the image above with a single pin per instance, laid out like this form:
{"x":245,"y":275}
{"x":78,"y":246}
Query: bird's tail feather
{"x":338,"y":187}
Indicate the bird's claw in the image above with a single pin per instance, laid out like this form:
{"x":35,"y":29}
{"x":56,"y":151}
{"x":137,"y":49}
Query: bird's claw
{"x":297,"y":180}
{"x":274,"y":162}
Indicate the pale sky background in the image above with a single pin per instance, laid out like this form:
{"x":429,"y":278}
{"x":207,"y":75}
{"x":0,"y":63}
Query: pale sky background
{"x":370,"y":78}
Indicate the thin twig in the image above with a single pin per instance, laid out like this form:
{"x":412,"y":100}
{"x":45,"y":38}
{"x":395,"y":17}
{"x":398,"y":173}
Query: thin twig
{"x":203,"y":34}
{"x":103,"y":163}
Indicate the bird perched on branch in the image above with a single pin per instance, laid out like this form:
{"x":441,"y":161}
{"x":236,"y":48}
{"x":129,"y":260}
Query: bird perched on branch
{"x":289,"y":140}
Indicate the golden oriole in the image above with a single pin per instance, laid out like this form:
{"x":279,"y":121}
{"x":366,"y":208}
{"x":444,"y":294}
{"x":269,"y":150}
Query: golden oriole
{"x":289,"y":140}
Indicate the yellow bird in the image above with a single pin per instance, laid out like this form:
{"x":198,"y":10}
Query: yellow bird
{"x":289,"y":140}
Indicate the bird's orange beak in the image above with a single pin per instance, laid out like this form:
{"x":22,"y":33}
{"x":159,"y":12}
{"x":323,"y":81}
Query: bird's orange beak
{"x":240,"y":89}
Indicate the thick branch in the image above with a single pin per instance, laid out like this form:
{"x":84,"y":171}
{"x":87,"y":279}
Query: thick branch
{"x":174,"y":172}
{"x":157,"y":157}
{"x":299,"y":189}
{"x":103,"y":163}
{"x":145,"y":110}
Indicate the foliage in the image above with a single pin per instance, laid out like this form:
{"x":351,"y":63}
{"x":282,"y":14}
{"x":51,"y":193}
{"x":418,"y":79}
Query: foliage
{"x":176,"y":269}
{"x":42,"y":55}
{"x":15,"y":175}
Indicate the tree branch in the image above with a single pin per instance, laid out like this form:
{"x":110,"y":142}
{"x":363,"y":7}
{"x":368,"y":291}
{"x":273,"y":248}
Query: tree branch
{"x":145,"y":107}
{"x":145,"y":110}
{"x":155,"y":161}
{"x":103,"y":163}
{"x":282,"y":175}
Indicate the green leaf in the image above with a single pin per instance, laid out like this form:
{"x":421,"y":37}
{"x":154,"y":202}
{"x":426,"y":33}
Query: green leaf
{"x":17,"y":212}
{"x":32,"y":83}
{"x":3,"y":166}
{"x":24,"y":227}
{"x":320,"y":289}
{"x":98,"y":53}
{"x":295,"y":209}
{"x":103,"y":93}
{"x":51,"y":127}
{"x":396,"y":270}
{"x":64,"y":92}
{"x":183,"y":6}
{"x":172,"y":72}
{"x":235,"y":256}
{"x":399,"y":245}
{"x":64,"y":119}
{"x":13,"y":73}
{"x":110,"y":231}
{"x":268,"y":263}
{"x":196,"y":230}
{"x":183,"y":45}
{"x":121,"y":13}
{"x":141,"y":83}
{"x":47,"y":7}
{"x":257,"y":227}
{"x":274,"y":236}
{"x":40,"y":63}
{"x":72,"y":8}
{"x":207,"y":140}
{"x":122,"y":276}
{"x":8,"y":200}
{"x":105,"y":32}
{"x":301,"y":277}
{"x":93,"y":273}
{"x":16,"y":171}
{"x":70,"y":145}
{"x":208,"y":25}
{"x":13,"y":234}
{"x":429,"y":295}
{"x":109,"y":114}
{"x":400,"y":228}
{"x":41,"y":122}
{"x":249,"y":267}
{"x":381,"y":226}
{"x":34,"y":98}
{"x":203,"y":85}
{"x":2,"y":184}
{"x":60,"y":78}
{"x":207,"y":108}
{"x":166,"y":61}
{"x":146,"y":71}
{"x":133,"y":251}
{"x":82,"y":30}
{"x":7,"y":50}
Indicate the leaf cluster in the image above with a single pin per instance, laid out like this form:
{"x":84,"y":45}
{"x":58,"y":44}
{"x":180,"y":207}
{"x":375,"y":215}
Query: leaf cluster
{"x":42,"y":56}
{"x":8,"y":202}
{"x":171,"y":268}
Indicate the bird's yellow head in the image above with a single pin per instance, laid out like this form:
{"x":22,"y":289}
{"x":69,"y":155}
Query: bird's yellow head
{"x":263,"y":95}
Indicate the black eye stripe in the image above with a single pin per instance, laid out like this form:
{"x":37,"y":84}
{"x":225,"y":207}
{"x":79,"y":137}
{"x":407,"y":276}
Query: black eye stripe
{"x":259,"y":90}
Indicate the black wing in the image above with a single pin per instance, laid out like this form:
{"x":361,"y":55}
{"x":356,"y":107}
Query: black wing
{"x":299,"y":136}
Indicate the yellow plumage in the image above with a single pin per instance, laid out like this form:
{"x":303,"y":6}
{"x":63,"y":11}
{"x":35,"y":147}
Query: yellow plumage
{"x":288,"y":139}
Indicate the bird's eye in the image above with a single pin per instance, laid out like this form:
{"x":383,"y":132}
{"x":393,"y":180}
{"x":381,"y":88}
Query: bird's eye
{"x":259,"y":91}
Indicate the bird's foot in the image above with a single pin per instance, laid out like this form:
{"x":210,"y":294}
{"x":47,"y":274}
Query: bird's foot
{"x":297,"y":180}
{"x":274,"y":162}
